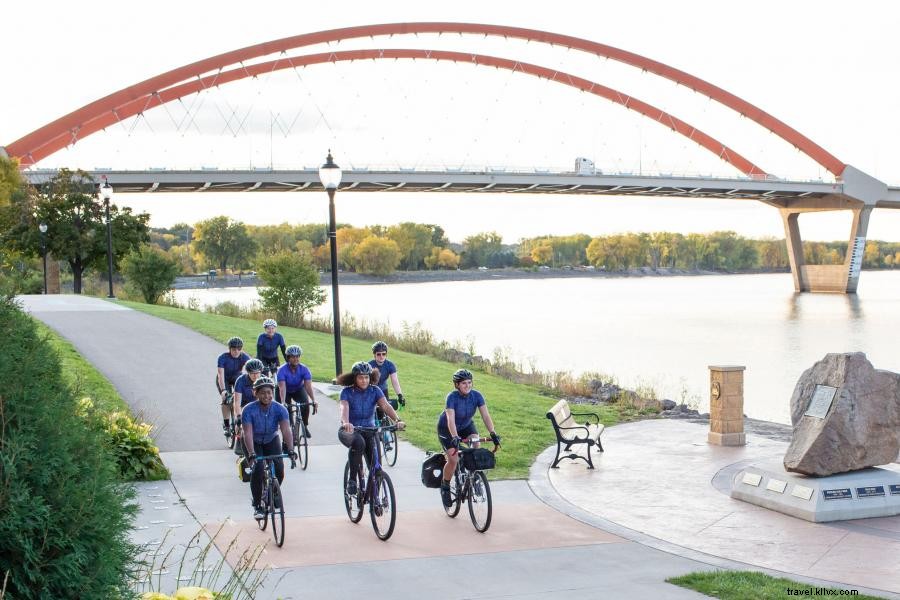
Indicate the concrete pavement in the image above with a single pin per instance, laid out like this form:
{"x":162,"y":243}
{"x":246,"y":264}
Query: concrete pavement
{"x":651,"y":510}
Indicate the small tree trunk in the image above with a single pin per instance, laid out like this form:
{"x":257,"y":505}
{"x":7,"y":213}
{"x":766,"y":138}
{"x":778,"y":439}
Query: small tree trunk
{"x":76,"y":278}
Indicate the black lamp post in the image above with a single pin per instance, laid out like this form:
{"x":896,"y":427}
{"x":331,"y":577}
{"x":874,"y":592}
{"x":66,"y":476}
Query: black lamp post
{"x":106,"y":193}
{"x":330,"y":176}
{"x":43,"y":229}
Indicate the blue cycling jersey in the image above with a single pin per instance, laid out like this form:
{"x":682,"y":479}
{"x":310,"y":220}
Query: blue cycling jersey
{"x":244,"y":387}
{"x":385,"y":370}
{"x":294,"y":380}
{"x":267,"y":347}
{"x":362,"y":404}
{"x":264,"y":420}
{"x":232,"y":366}
{"x":464,"y":408}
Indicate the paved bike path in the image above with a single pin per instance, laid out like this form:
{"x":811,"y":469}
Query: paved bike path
{"x":165,"y":372}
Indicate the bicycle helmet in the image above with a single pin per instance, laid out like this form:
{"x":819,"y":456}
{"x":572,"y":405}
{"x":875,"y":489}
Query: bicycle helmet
{"x":293,"y":351}
{"x":235,"y":342}
{"x":254,"y":365}
{"x":361,"y":368}
{"x":379,"y":347}
{"x":263,"y":382}
{"x":269,"y":323}
{"x":462,"y":375}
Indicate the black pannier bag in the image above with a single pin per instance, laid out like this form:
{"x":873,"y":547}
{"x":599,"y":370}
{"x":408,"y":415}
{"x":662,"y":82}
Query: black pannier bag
{"x":433,"y":470}
{"x":478,"y":459}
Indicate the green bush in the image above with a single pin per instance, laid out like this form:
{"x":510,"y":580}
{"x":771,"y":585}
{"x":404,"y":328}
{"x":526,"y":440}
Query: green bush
{"x":128,"y":441}
{"x":65,"y":516}
{"x":293,"y":287}
{"x":150,"y":271}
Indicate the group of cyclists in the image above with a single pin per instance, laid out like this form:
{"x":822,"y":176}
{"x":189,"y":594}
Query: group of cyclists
{"x":262,"y":420}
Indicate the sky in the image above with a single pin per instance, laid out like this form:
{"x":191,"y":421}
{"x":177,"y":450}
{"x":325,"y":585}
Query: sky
{"x":826,"y":70}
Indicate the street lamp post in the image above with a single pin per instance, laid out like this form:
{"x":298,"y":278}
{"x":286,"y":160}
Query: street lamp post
{"x":330,"y":176}
{"x":106,"y":193}
{"x":43,"y":229}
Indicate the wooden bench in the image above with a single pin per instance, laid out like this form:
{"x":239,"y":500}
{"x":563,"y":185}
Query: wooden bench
{"x":569,"y":432}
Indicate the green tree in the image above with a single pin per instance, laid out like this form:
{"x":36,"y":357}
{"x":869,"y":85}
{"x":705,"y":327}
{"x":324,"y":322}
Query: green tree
{"x":414,"y":241}
{"x":150,"y":271}
{"x":224,"y":242}
{"x":477,"y":248}
{"x":76,"y":224}
{"x":376,"y":256}
{"x":293,"y":286}
{"x":11,"y":179}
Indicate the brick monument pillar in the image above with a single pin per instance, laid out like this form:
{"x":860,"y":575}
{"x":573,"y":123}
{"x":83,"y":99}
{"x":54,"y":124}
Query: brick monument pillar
{"x":52,"y":274}
{"x":726,"y":406}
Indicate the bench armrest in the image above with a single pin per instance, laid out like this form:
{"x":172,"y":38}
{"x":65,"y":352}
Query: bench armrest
{"x":581,"y":414}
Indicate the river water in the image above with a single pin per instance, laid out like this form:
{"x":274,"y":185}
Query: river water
{"x":661,"y":332}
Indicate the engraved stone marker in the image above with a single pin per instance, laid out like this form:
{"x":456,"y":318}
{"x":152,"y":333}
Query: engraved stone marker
{"x":752,"y":479}
{"x":776,"y":485}
{"x":821,"y":401}
{"x":870,"y":491}
{"x":802,"y":492}
{"x":839,"y":494}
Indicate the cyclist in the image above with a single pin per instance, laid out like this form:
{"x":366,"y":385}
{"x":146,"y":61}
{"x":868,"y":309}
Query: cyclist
{"x":388,"y":370}
{"x":359,"y":398}
{"x":228,"y":369}
{"x":456,"y":422}
{"x":262,"y":420}
{"x":295,"y":383}
{"x":267,"y":345}
{"x":243,"y":390}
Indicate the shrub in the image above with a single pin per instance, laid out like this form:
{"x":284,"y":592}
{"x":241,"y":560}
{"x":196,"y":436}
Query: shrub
{"x":293,"y":286}
{"x":128,"y":441}
{"x":150,"y":271}
{"x":64,"y":514}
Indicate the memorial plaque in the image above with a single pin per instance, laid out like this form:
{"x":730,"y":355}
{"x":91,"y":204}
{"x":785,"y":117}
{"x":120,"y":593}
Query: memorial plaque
{"x":776,"y":485}
{"x":821,"y":401}
{"x":870,"y":491}
{"x":753,"y":479}
{"x":838,"y":494}
{"x":802,"y":492}
{"x":895,"y":490}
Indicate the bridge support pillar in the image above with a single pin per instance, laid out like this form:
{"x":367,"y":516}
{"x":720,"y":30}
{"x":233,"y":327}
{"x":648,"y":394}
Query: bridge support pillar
{"x":842,"y":279}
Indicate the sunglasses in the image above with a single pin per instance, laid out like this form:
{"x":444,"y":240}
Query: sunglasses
{"x":381,"y":354}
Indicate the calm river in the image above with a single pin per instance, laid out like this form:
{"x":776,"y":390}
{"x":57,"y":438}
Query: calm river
{"x":656,"y":331}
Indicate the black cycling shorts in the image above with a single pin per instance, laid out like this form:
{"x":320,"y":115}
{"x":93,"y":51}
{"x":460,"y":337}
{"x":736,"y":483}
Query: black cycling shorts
{"x":445,"y":438}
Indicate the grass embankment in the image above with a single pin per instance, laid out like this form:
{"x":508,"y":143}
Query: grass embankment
{"x":518,"y":410}
{"x":740,"y":585}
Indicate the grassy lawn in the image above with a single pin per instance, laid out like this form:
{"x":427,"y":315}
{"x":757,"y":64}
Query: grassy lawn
{"x":518,"y":410}
{"x":82,"y":375}
{"x":739,"y":585}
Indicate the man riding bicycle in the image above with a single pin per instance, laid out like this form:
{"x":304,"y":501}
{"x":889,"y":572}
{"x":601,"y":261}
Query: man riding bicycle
{"x":456,"y":423}
{"x":267,"y":345}
{"x":262,"y":420}
{"x":359,"y":398}
{"x":295,"y":384}
{"x":228,"y":369}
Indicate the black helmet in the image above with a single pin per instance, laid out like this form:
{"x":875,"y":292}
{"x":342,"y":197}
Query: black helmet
{"x":235,"y":342}
{"x":263,"y":382}
{"x":361,"y":368}
{"x":254,"y":365}
{"x":462,"y":375}
{"x":293,"y":351}
{"x":379,"y":347}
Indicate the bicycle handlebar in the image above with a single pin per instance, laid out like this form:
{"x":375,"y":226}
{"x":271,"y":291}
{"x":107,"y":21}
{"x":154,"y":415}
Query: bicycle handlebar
{"x":376,"y":429}
{"x":271,"y":456}
{"x":471,"y":441}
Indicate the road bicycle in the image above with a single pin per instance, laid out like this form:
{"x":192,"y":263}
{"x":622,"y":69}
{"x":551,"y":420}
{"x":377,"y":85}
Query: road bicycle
{"x":270,"y":370}
{"x":271,"y":498}
{"x":231,"y":433}
{"x":387,"y":439}
{"x":374,"y":487}
{"x":301,"y":434}
{"x":470,"y":484}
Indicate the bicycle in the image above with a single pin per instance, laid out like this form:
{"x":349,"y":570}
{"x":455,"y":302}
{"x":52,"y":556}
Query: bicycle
{"x":387,"y":440}
{"x":298,"y":428}
{"x":374,"y":488}
{"x":271,"y":497}
{"x":469,"y":483}
{"x":270,"y":370}
{"x":231,"y":432}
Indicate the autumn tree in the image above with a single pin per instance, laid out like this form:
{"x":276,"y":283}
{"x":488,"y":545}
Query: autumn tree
{"x":376,"y":256}
{"x":224,"y":242}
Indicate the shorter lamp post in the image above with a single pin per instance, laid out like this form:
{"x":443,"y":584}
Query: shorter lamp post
{"x":43,"y":229}
{"x":106,"y":193}
{"x":330,"y":176}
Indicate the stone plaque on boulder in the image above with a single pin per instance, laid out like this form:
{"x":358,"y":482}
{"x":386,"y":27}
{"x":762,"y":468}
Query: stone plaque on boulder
{"x":860,"y":427}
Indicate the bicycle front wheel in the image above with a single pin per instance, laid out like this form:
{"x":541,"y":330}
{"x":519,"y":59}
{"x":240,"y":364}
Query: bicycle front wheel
{"x":353,"y":504}
{"x":230,"y":435}
{"x":276,"y":512}
{"x":455,"y":498}
{"x":390,"y":447}
{"x":301,"y":444}
{"x":479,"y":499}
{"x":266,"y":494}
{"x":383,"y":507}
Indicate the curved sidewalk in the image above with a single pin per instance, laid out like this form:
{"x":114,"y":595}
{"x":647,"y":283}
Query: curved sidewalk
{"x":661,"y":484}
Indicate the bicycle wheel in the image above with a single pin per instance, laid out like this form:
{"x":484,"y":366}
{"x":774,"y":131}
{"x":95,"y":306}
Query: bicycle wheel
{"x":479,"y":499}
{"x":229,"y":435}
{"x":301,"y":444}
{"x":276,"y":512}
{"x":264,"y":500}
{"x":354,"y":505}
{"x":456,"y":499}
{"x":389,"y":445}
{"x":383,"y":507}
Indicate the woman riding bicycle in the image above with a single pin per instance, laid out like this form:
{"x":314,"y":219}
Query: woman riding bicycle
{"x":387,"y":371}
{"x":295,"y":384}
{"x":267,"y":345}
{"x":456,"y":422}
{"x":262,"y":420}
{"x":359,"y":398}
{"x":228,"y":369}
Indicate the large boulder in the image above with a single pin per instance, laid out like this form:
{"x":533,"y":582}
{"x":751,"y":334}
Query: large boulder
{"x":858,"y":428}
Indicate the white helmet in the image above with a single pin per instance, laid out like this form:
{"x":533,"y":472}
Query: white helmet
{"x":269,"y":323}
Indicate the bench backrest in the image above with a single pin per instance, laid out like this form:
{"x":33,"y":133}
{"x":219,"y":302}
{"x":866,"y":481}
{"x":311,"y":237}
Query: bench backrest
{"x":560,"y":413}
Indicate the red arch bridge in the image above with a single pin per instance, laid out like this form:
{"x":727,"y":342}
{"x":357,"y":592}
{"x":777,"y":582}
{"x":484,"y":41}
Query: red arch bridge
{"x":853,"y":190}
